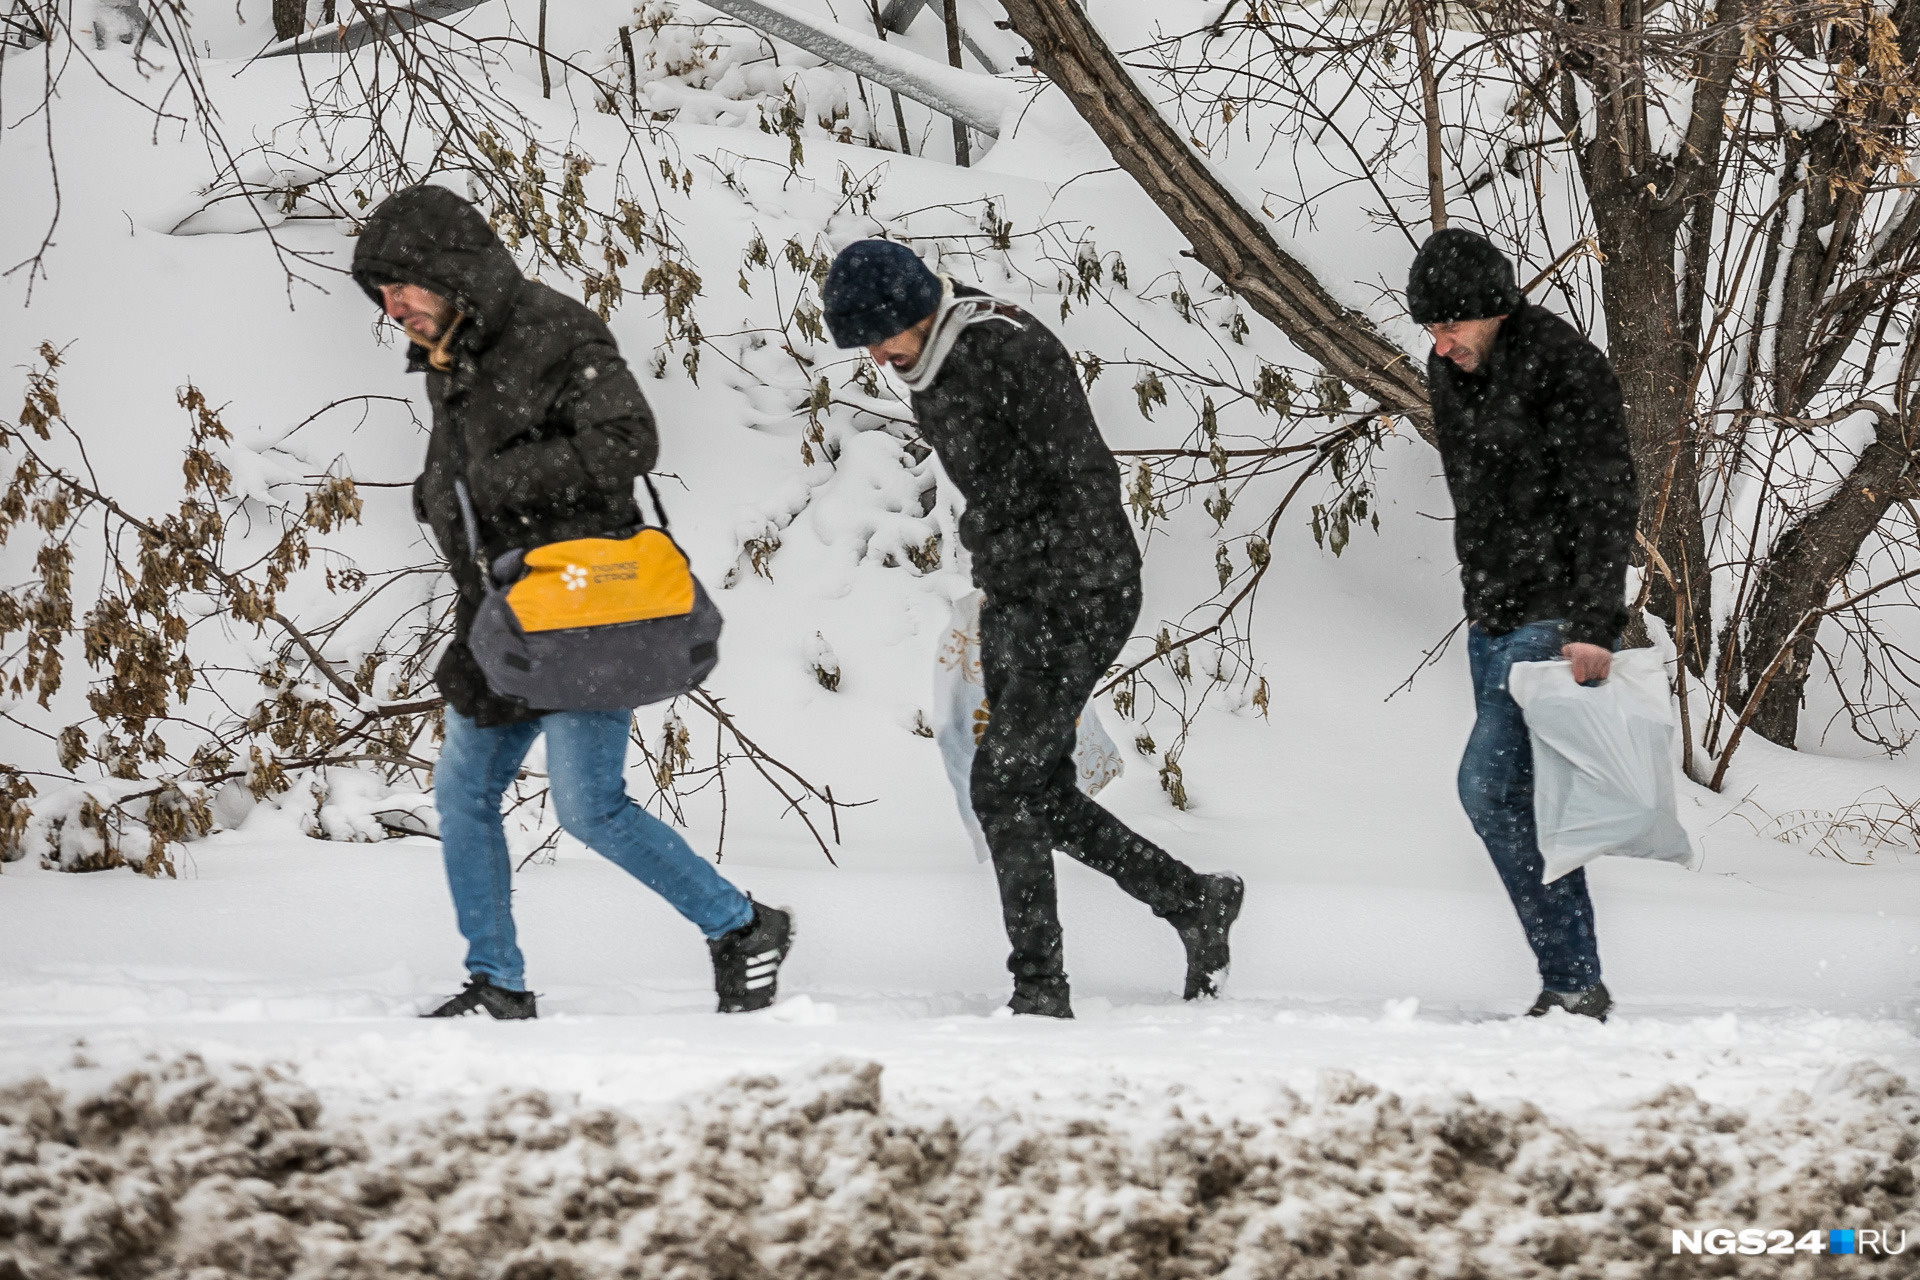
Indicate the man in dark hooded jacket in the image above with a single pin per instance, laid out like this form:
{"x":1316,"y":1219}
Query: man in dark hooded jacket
{"x":535,"y":410}
{"x":1534,"y":441}
{"x":998,"y":398}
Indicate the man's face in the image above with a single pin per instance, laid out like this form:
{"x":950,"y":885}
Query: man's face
{"x":1467,"y":343}
{"x":902,"y":350}
{"x":419,"y":311}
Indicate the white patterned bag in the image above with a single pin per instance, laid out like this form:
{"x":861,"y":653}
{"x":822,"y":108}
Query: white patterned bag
{"x":960,"y":716}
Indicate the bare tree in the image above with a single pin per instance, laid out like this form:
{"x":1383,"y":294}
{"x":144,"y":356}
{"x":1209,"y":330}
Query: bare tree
{"x":1227,"y":238}
{"x":1742,"y":171}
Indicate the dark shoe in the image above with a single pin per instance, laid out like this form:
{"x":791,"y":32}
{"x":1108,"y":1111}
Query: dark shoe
{"x":481,"y":996}
{"x":1204,"y":933}
{"x":746,"y":962}
{"x":1591,"y":1003}
{"x":1042,"y":1000}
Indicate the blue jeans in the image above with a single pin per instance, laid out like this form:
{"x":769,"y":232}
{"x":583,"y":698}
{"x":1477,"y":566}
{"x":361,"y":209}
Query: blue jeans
{"x":586,"y":763}
{"x":1496,"y":786}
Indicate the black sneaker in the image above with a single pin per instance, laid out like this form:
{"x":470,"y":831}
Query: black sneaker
{"x":1594,"y":1002}
{"x":1042,"y":1000}
{"x":481,"y":996}
{"x":1204,"y":933}
{"x":746,"y":962}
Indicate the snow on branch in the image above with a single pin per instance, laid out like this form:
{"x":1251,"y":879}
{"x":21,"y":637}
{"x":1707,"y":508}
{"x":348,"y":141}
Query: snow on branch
{"x":374,"y":21}
{"x":977,"y":101}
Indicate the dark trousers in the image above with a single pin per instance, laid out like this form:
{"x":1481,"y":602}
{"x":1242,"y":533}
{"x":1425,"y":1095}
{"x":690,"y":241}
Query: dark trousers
{"x":1496,"y":786}
{"x":1041,"y":660}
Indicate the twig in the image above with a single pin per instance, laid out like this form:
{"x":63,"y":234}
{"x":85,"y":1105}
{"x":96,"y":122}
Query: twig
{"x":1766,"y":677}
{"x":546,"y":79}
{"x":1427,"y":659}
{"x":1353,"y":430}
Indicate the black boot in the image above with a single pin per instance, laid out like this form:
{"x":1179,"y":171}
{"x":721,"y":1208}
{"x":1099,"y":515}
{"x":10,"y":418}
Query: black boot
{"x":481,"y":996}
{"x":746,"y":962}
{"x":1042,"y":999}
{"x":1203,"y":931}
{"x":1594,"y":1002}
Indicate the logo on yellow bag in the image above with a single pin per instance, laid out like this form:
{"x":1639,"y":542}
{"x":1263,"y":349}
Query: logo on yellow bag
{"x":597,"y":582}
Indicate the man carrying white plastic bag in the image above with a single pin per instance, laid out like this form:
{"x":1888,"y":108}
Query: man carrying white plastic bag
{"x":1602,"y":763}
{"x":998,"y":399}
{"x":1532,"y":433}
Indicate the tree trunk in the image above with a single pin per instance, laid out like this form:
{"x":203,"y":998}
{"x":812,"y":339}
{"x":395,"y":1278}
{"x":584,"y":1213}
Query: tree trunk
{"x":1430,"y":112}
{"x":899,"y":116}
{"x":1227,"y":238}
{"x":1650,"y":355}
{"x":289,"y":18}
{"x":1643,"y":200}
{"x":962,"y":148}
{"x":1806,"y":565}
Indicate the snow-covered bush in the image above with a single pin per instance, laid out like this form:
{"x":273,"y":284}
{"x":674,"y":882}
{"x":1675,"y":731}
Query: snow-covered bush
{"x":172,"y":593}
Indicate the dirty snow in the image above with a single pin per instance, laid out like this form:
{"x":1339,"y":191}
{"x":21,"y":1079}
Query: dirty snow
{"x":179,"y":1167}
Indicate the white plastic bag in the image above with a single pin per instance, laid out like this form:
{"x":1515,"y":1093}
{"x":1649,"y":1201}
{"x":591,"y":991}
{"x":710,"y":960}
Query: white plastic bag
{"x":1602,"y":763}
{"x":960,"y":717}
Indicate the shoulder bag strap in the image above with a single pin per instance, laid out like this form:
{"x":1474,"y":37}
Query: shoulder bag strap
{"x":659,"y":512}
{"x":472,"y":524}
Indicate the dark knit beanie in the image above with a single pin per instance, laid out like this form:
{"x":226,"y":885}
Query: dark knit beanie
{"x":1459,"y":275}
{"x":875,"y":289}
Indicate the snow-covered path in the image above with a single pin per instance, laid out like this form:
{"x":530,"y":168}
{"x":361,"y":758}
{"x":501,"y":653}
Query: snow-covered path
{"x":321,"y":952}
{"x":1743,"y":1083}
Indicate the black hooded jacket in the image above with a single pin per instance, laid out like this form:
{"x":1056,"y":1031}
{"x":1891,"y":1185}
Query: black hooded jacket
{"x":1013,"y":428}
{"x":1537,"y":459}
{"x":539,"y":412}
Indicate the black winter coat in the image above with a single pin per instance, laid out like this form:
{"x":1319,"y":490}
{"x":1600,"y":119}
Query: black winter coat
{"x":1537,"y":459}
{"x":539,"y":412}
{"x":1013,"y":428}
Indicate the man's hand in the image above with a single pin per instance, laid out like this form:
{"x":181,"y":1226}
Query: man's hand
{"x":1590,"y":661}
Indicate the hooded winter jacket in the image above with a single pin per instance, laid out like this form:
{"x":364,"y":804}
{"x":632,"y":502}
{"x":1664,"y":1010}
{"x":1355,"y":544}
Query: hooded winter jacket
{"x":1537,"y":459}
{"x":1013,"y":428}
{"x":538,"y":411}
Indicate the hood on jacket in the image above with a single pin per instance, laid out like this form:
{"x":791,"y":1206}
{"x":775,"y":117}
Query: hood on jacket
{"x":430,"y":237}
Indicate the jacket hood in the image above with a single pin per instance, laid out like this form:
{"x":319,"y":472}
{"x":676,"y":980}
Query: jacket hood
{"x":430,"y":237}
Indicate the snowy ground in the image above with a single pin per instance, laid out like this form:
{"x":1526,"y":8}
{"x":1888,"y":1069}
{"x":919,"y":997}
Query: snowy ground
{"x":1362,"y":1104}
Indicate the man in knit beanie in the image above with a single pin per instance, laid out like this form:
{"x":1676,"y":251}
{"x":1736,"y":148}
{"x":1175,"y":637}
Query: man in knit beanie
{"x":998,"y":398}
{"x":1533,"y":437}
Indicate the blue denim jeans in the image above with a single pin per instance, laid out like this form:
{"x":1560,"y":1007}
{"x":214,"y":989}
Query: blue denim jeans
{"x":586,"y":771}
{"x":1496,"y":786}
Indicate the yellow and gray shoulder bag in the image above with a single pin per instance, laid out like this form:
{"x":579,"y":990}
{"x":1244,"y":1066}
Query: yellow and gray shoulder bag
{"x":592,"y":624}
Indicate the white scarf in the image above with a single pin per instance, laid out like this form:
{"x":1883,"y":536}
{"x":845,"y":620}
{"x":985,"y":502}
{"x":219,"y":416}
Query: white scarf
{"x":949,"y":321}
